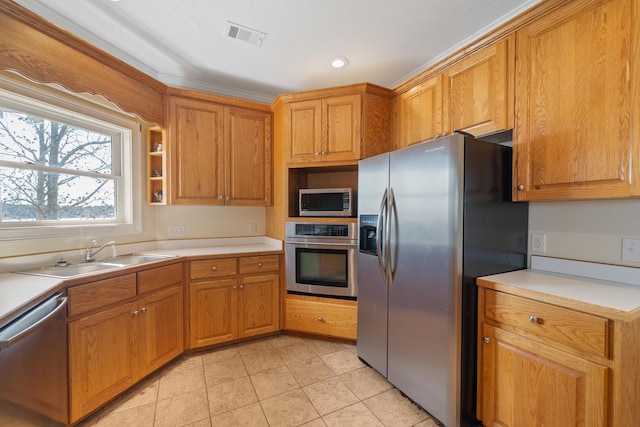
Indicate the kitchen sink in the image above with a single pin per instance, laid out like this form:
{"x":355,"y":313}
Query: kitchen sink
{"x":83,"y":268}
{"x":137,"y":259}
{"x":71,"y":270}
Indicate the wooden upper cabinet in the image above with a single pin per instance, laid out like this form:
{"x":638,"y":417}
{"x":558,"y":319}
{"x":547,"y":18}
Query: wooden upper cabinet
{"x":324,"y":129}
{"x":338,"y":125}
{"x":578,"y":99}
{"x":249,"y":163}
{"x":303,"y":130}
{"x":479,"y":90}
{"x":341,"y":128}
{"x":219,"y":155}
{"x":196,"y":151}
{"x":420,"y":112}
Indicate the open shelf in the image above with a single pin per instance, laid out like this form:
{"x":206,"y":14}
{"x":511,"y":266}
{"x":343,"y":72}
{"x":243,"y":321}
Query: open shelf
{"x":321,"y":177}
{"x":156,"y":166}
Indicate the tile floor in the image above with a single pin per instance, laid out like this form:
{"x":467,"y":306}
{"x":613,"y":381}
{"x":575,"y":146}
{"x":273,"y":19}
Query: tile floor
{"x":277,"y":381}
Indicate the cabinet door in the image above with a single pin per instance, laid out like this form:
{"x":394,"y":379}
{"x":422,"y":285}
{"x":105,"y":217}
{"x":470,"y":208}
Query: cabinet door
{"x":421,"y":112}
{"x":161,"y":328}
{"x":248,"y":158}
{"x":213,"y":313}
{"x":479,"y":90}
{"x":258,"y":305}
{"x":303,"y":131}
{"x":576,"y":133}
{"x":196,"y":152}
{"x":529,"y":384}
{"x":101,"y":360}
{"x":341,"y":128}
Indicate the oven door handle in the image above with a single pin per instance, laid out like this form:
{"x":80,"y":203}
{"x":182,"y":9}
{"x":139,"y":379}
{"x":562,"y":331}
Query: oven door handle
{"x":306,"y":244}
{"x":31,"y":321}
{"x":381,"y":240}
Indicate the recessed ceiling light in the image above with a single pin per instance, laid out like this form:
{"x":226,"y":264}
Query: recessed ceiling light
{"x":339,"y":62}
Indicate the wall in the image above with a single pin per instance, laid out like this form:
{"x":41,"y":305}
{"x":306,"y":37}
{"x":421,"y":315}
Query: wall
{"x":210,"y":221}
{"x":587,"y":230}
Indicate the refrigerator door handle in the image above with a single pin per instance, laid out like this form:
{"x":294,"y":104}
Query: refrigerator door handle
{"x":381,"y":249}
{"x":392,"y":216}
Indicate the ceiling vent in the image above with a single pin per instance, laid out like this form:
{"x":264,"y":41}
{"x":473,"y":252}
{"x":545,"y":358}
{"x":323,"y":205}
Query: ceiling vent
{"x":245,"y":34}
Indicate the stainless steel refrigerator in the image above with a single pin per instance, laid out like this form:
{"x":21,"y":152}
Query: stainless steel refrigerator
{"x":433,"y":217}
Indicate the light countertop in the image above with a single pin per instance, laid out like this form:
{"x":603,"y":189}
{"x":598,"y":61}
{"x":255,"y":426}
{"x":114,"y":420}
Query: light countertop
{"x":20,"y":291}
{"x":613,"y":299}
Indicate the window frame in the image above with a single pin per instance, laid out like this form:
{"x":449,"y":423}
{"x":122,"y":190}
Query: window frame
{"x":70,"y":108}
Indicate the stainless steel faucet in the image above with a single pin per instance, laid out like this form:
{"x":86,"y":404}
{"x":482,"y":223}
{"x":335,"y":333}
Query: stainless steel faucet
{"x":89,"y":255}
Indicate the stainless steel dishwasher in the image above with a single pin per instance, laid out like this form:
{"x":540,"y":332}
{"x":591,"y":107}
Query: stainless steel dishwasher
{"x":33,"y":366}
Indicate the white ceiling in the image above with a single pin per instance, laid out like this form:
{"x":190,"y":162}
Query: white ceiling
{"x":183,"y":44}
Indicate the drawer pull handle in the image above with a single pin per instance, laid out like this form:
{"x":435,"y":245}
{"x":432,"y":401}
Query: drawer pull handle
{"x":234,"y":287}
{"x":135,"y":313}
{"x":320,"y":319}
{"x":533,"y":319}
{"x":486,"y":340}
{"x":143,"y":309}
{"x":214,"y":268}
{"x":259,"y":264}
{"x":241,"y":286}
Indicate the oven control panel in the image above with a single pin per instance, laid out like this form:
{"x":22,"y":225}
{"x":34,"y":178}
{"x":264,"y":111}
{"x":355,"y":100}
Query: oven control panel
{"x":320,"y":230}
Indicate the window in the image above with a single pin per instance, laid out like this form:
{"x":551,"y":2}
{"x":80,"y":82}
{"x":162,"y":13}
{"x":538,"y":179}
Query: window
{"x":65,"y":165}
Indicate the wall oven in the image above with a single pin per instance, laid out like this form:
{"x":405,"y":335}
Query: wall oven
{"x":321,"y":259}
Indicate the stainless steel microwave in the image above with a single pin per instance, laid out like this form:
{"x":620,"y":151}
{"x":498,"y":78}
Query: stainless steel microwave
{"x":326,"y":202}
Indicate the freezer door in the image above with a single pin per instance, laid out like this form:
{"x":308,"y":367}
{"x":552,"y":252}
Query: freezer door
{"x":373,"y":180}
{"x":424,"y":297}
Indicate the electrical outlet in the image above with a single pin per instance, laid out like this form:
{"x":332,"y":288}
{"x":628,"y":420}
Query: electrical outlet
{"x":176,"y":231}
{"x":252,"y":228}
{"x":538,"y":242}
{"x":631,"y":250}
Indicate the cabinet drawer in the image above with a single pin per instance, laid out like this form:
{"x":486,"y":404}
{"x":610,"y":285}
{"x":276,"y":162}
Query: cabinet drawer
{"x":574,"y":329}
{"x":334,"y":319}
{"x":259,"y":264}
{"x":160,"y":277}
{"x":102,"y":293}
{"x":209,"y":268}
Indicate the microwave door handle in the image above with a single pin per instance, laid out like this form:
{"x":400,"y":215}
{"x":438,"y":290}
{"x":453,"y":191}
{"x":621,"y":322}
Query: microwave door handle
{"x":381,"y":249}
{"x":392,"y":218}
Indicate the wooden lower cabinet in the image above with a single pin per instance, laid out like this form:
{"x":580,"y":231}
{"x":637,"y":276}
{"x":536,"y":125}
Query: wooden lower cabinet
{"x":101,"y":363}
{"x":322,"y":316}
{"x":560,"y":364}
{"x":161,"y":328}
{"x":233,"y":298}
{"x":258,"y":305}
{"x":213,"y":313}
{"x":529,"y":384}
{"x":113,"y":346}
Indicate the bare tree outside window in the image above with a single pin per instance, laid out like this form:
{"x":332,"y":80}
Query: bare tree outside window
{"x":53,"y":171}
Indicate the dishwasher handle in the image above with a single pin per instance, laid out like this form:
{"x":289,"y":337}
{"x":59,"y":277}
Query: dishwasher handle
{"x":31,"y":321}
